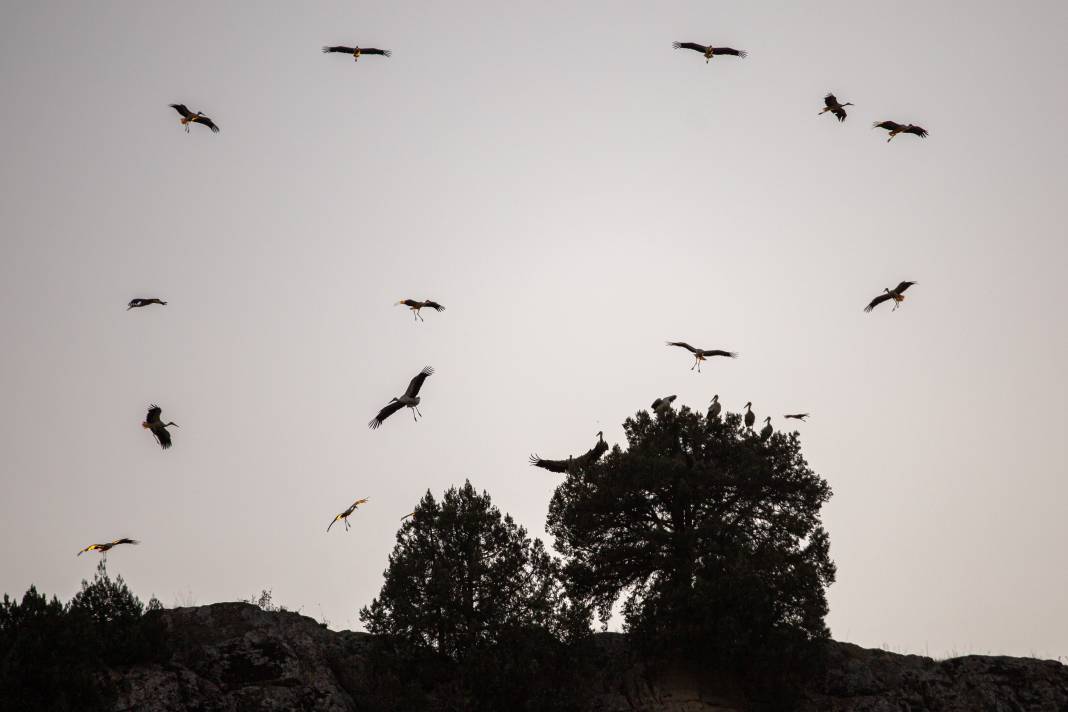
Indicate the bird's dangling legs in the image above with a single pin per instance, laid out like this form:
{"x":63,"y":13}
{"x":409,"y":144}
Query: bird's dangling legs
{"x":413,"y":413}
{"x":419,"y":315}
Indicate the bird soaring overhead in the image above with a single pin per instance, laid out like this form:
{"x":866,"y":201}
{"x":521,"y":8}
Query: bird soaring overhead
{"x":709,"y":52}
{"x":591,"y":456}
{"x":701,"y":354}
{"x":797,"y":416}
{"x":144,"y":302}
{"x":895,"y":128}
{"x":188,"y":117}
{"x":104,"y":548}
{"x":662,"y":406}
{"x":409,"y":399}
{"x":357,"y":52}
{"x":714,"y":408}
{"x":834,"y":107}
{"x":415,"y":306}
{"x":897,"y":294}
{"x":344,"y":516}
{"x":157,"y":426}
{"x":750,"y":417}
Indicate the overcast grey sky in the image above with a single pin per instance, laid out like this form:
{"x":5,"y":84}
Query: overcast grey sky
{"x":575,"y":192}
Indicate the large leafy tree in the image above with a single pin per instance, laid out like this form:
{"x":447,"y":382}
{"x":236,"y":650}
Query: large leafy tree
{"x":709,"y":534}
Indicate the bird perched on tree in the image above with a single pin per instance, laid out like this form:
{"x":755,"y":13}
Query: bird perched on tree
{"x":188,"y":117}
{"x":415,"y":306}
{"x":157,"y":426}
{"x":591,"y":456}
{"x":897,"y":294}
{"x":834,"y":107}
{"x":357,"y":52}
{"x":709,"y":52}
{"x":766,"y":431}
{"x":409,"y":399}
{"x":714,"y":408}
{"x":895,"y":128}
{"x":344,"y":516}
{"x":797,"y":416}
{"x":104,"y":548}
{"x":701,"y":354}
{"x":143,"y":302}
{"x":662,"y":406}
{"x":750,"y":417}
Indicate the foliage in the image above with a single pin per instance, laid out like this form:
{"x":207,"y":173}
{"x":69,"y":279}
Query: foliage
{"x":709,"y":534}
{"x":266,"y":601}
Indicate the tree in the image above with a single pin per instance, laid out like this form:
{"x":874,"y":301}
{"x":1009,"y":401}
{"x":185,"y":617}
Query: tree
{"x":709,"y":534}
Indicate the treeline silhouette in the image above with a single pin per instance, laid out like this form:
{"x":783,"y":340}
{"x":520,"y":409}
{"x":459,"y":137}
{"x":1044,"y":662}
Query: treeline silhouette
{"x":703,"y":534}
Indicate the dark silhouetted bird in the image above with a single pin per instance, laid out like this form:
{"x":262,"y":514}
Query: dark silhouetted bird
{"x":104,"y":548}
{"x":344,"y":516}
{"x":750,"y":417}
{"x":897,"y":294}
{"x":701,"y":354}
{"x":797,"y":416}
{"x":143,"y":302}
{"x":715,"y":408}
{"x":709,"y":52}
{"x":591,"y":456}
{"x":157,"y":426}
{"x":895,"y":128}
{"x":766,"y":431}
{"x":357,"y":52}
{"x":409,"y":399}
{"x":415,"y":306}
{"x":834,"y":107}
{"x":188,"y":117}
{"x":662,"y":406}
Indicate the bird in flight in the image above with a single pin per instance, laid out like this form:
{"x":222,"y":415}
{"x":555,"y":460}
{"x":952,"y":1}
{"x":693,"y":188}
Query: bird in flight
{"x":410,"y":399}
{"x":750,"y":417}
{"x":834,"y":107}
{"x":662,"y":406}
{"x":415,"y":306}
{"x":357,"y":52}
{"x":344,"y":516}
{"x":591,"y":456}
{"x":104,"y":548}
{"x":188,"y":117}
{"x":700,"y":354}
{"x":797,"y":416}
{"x":157,"y":426}
{"x":709,"y":52}
{"x":895,"y":128}
{"x":143,"y":302}
{"x":897,"y":294}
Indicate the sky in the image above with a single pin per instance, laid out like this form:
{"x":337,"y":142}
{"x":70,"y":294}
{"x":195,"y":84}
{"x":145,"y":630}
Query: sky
{"x":575,"y":192}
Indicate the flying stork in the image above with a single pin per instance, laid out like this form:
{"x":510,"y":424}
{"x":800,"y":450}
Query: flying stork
{"x":104,"y":548}
{"x":834,"y":107}
{"x":344,"y":516}
{"x":591,"y":456}
{"x":188,"y":117}
{"x":709,"y":52}
{"x":157,"y":426}
{"x":700,"y":354}
{"x":415,"y":306}
{"x":144,"y":302}
{"x":662,"y":406}
{"x":357,"y":52}
{"x":409,"y":399}
{"x":797,"y":416}
{"x":750,"y":417}
{"x":766,"y":431}
{"x":897,"y":294}
{"x":714,"y":408}
{"x":895,"y":128}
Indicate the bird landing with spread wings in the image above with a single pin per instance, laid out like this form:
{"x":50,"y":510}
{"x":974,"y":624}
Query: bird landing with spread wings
{"x":571,"y":464}
{"x":344,"y":516}
{"x":144,"y":302}
{"x":701,"y":354}
{"x":357,"y":52}
{"x":410,"y":399}
{"x":662,"y":406}
{"x":897,"y":294}
{"x":188,"y":117}
{"x":105,"y":548}
{"x":710,"y":52}
{"x":895,"y":128}
{"x":154,"y":423}
{"x":415,"y":306}
{"x":834,"y":107}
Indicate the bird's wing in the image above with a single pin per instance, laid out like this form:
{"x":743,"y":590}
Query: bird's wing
{"x":125,"y":540}
{"x":830,"y":101}
{"x":888,"y":125}
{"x":730,"y":50}
{"x":372,"y":50}
{"x":840,"y":113}
{"x":358,"y":502}
{"x":433,"y":305}
{"x":657,"y":403}
{"x":91,"y":547}
{"x":153,"y":414}
{"x":797,"y":416}
{"x":162,"y":436}
{"x":902,"y":287}
{"x":183,"y":110}
{"x":332,"y":523}
{"x":922,"y":133}
{"x":684,"y":345}
{"x":717,"y":352}
{"x":207,"y":122}
{"x":417,"y":382}
{"x":690,"y":45}
{"x":550,"y":465}
{"x":876,"y":302}
{"x":593,"y":454}
{"x":340,"y":48}
{"x":385,"y":413}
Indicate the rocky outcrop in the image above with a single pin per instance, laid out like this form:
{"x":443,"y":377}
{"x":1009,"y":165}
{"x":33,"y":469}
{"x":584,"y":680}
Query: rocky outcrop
{"x":235,"y":657}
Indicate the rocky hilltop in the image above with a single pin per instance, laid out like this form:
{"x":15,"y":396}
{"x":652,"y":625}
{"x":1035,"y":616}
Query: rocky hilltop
{"x":237,"y":657}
